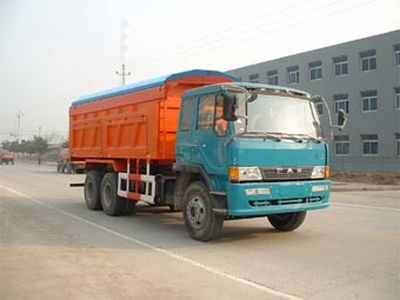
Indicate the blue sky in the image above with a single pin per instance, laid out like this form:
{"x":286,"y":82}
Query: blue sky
{"x":53,"y":52}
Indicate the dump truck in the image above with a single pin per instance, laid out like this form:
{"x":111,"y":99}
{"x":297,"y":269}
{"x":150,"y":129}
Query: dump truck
{"x":66,"y":165}
{"x":205,"y":144}
{"x":6,"y":157}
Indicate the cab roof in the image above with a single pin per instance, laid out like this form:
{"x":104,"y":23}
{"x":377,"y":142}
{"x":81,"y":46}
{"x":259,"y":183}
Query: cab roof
{"x":219,"y":87}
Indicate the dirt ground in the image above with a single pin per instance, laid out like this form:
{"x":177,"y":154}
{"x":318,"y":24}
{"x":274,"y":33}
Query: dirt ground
{"x":367,"y":177}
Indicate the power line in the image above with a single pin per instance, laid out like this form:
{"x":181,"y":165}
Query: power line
{"x":212,"y":40}
{"x":19,"y":115}
{"x":123,"y":73}
{"x":184,"y":46}
{"x":258,"y":35}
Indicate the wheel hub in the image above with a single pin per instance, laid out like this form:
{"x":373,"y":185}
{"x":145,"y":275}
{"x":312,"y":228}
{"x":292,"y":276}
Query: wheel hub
{"x":196,"y":212}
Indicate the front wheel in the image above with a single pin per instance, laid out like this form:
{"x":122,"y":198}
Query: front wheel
{"x":287,"y":221}
{"x":200,"y":220}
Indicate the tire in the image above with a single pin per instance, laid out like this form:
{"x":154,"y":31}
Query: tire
{"x":130,"y":207}
{"x":92,"y":190}
{"x":200,"y":220}
{"x":288,"y":221}
{"x":112,"y":204}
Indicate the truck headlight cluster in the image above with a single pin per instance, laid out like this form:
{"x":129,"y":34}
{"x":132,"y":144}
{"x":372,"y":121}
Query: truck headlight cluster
{"x":238,"y":174}
{"x":320,"y":172}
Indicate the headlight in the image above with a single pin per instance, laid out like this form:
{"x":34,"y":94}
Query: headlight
{"x":238,"y":174}
{"x":319,"y":172}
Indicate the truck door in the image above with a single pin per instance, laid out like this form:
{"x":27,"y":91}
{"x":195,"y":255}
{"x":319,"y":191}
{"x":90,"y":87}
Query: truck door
{"x":184,"y":142}
{"x":209,"y":135}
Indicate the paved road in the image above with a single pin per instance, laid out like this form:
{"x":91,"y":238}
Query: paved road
{"x":52,"y":247}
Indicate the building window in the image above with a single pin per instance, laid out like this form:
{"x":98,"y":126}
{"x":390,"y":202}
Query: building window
{"x":293,"y":74}
{"x":369,"y":144}
{"x":340,"y":65}
{"x":272,"y":77}
{"x":397,"y":97}
{"x":397,"y":143}
{"x":255,"y":78}
{"x":369,"y":101}
{"x":341,"y":101}
{"x":341,"y":144}
{"x":315,"y":70}
{"x":397,"y":55}
{"x":368,"y":60}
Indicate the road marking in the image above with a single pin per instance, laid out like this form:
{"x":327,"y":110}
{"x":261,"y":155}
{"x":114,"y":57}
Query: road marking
{"x":351,"y":205}
{"x":215,"y":271}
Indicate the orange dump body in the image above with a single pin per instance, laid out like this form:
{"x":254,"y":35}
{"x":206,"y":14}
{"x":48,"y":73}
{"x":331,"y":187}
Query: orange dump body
{"x":134,"y":125}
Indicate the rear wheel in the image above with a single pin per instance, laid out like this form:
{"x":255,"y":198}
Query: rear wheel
{"x":113,"y":205}
{"x":288,"y":221}
{"x":92,"y":190}
{"x":200,"y":220}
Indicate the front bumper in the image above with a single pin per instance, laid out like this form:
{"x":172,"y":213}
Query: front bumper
{"x":283,"y":197}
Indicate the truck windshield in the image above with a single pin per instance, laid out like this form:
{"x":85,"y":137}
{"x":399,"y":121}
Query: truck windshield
{"x":280,"y":115}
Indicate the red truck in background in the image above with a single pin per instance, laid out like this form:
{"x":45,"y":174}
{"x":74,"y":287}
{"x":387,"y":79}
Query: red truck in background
{"x":6,"y":157}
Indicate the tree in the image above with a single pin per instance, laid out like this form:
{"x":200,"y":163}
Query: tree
{"x":38,"y":145}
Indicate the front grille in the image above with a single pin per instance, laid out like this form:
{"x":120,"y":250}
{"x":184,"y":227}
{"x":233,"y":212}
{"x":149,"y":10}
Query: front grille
{"x":286,"y":173}
{"x":261,"y":203}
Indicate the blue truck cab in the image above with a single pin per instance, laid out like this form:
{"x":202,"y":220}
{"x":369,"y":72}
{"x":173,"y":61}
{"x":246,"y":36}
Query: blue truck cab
{"x":249,"y":150}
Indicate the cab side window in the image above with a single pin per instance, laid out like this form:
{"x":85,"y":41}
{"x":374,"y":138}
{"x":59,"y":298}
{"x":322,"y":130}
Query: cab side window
{"x":187,"y":112}
{"x":205,"y":119}
{"x":221,"y":125}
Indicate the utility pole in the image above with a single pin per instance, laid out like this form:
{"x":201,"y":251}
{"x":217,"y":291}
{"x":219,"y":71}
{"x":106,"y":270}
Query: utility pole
{"x":124,"y":50}
{"x":19,"y":115}
{"x":123,"y":73}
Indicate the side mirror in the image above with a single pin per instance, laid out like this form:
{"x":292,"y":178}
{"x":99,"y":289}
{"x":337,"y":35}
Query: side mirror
{"x":229,"y":113}
{"x":342,"y":119}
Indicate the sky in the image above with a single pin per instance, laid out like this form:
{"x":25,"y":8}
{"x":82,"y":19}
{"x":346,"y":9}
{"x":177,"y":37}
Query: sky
{"x":52,"y":52}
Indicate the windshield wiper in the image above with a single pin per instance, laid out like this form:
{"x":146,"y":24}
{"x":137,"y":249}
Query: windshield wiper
{"x":252,"y":134}
{"x":260,"y":135}
{"x":289,"y":136}
{"x":309,"y":137}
